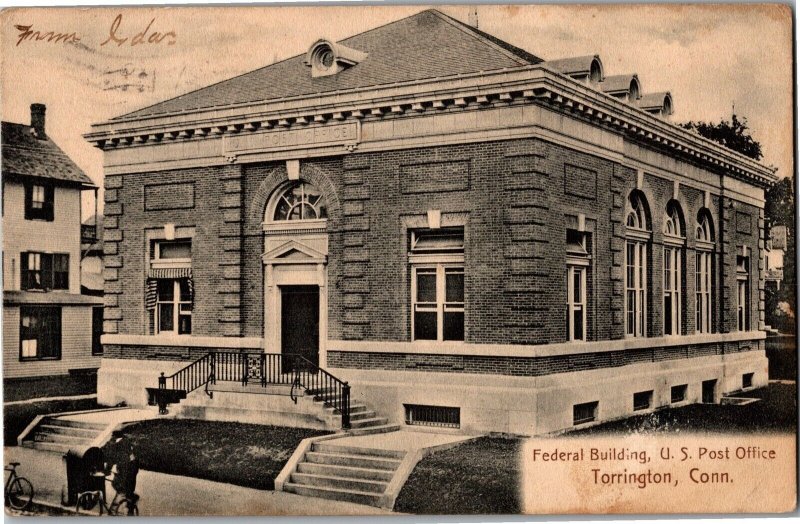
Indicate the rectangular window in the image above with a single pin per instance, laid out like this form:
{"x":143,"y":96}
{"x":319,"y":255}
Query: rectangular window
{"x":437,"y":284}
{"x":40,"y":333}
{"x":635,"y":288}
{"x":576,"y":303}
{"x":673,"y":282}
{"x":97,"y":330}
{"x":703,"y":273}
{"x":39,"y":198}
{"x":174,"y":306}
{"x":747,"y":380}
{"x":743,"y":293}
{"x":642,"y":400}
{"x":437,"y":416}
{"x":678,"y":393}
{"x":44,"y":271}
{"x":709,"y":391}
{"x":583,"y":413}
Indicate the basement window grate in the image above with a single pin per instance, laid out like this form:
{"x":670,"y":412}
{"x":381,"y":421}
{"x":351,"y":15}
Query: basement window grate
{"x":642,"y":400}
{"x":435,"y":416}
{"x":583,"y":413}
{"x":747,"y":380}
{"x":678,"y":393}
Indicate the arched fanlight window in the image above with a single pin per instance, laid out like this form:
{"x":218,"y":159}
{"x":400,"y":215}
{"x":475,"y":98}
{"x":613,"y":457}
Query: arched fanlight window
{"x":673,"y":223}
{"x":705,"y":231}
{"x":300,"y":201}
{"x":637,"y":273}
{"x":637,"y":213}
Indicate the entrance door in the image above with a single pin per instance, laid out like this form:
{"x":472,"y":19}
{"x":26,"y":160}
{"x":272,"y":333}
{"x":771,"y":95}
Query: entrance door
{"x":300,"y":323}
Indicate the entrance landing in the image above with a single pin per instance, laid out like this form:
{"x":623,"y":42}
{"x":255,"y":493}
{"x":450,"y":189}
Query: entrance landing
{"x":405,"y":440}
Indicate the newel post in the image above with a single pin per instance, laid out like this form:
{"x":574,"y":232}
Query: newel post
{"x":345,"y":406}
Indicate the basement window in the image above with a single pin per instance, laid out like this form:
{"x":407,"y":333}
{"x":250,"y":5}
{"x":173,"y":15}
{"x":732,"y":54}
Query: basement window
{"x":583,"y":413}
{"x":747,"y":380}
{"x":434,"y":416}
{"x":678,"y":393}
{"x":642,"y":400}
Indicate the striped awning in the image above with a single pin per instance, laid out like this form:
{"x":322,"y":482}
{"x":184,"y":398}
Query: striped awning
{"x":172,"y":273}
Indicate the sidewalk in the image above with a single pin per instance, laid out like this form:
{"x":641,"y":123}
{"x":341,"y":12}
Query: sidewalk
{"x":171,"y":495}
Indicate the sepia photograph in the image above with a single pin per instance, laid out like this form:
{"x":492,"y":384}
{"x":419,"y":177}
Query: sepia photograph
{"x":399,"y":260}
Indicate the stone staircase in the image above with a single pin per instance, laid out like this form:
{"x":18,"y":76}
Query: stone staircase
{"x":361,"y":416}
{"x":339,"y":472}
{"x":59,"y":435}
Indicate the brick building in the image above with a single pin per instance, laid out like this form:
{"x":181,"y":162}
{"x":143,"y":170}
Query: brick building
{"x":471,"y":236}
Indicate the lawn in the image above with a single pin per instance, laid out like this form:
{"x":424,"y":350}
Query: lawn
{"x":478,"y":477}
{"x":782,"y":355}
{"x":248,"y":455}
{"x":775,"y":412}
{"x":53,"y":386}
{"x":17,"y":417}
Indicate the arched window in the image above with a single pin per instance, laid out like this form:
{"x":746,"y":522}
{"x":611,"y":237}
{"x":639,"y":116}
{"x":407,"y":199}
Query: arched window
{"x":636,"y":271}
{"x":674,"y":242}
{"x":704,"y":271}
{"x":300,"y":201}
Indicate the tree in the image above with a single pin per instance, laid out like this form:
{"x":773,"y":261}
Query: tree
{"x":732,"y":134}
{"x":779,"y":210}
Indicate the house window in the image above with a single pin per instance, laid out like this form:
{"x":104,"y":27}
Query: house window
{"x":39,"y":201}
{"x":300,"y":201}
{"x":743,"y":293}
{"x":437,"y":284}
{"x":583,"y":413}
{"x":678,"y":393}
{"x":674,"y":241}
{"x":704,"y":269}
{"x":40,"y":333}
{"x":169,"y":293}
{"x":636,"y":270}
{"x":97,"y":330}
{"x":44,"y":271}
{"x":747,"y":380}
{"x":642,"y":400}
{"x":578,"y":260}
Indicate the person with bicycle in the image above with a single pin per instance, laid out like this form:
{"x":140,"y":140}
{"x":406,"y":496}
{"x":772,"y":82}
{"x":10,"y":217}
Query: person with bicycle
{"x":125,"y":466}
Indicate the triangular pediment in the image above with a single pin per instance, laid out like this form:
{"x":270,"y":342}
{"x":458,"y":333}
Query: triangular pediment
{"x":294,"y":251}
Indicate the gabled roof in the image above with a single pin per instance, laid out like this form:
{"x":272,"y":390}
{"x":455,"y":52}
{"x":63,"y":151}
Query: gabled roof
{"x":426,"y":45}
{"x":25,"y":154}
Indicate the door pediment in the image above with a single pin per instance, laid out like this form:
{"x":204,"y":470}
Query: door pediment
{"x":294,"y":252}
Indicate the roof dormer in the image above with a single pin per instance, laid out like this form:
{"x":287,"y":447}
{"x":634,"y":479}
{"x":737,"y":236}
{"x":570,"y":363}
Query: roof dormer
{"x":326,"y":58}
{"x":625,"y":87}
{"x":588,"y":69}
{"x":659,"y":104}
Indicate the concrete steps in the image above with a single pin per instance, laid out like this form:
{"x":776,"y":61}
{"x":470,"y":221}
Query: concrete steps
{"x":346,"y":473}
{"x":60,"y":434}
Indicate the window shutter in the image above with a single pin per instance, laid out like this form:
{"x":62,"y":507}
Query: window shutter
{"x":28,"y":201}
{"x":47,"y":271}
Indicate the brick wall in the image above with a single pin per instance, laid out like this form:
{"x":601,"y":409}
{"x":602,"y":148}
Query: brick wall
{"x":515,"y":197}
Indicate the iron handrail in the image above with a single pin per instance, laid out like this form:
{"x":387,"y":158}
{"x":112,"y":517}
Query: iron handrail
{"x":268,"y":368}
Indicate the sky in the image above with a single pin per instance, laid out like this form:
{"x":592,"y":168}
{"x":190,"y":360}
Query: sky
{"x":711,"y":58}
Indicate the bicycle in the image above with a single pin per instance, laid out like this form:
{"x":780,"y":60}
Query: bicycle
{"x":121,"y":504}
{"x":19,"y":490}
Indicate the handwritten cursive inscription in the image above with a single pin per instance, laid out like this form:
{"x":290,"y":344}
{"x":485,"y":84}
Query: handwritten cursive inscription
{"x":27,"y":33}
{"x":115,"y":35}
{"x":129,"y":77}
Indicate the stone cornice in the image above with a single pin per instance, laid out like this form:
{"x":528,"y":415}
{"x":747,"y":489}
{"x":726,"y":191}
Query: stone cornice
{"x":530,"y":84}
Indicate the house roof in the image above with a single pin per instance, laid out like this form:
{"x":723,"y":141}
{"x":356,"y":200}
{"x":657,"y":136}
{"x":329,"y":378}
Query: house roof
{"x":25,"y":154}
{"x":426,"y":45}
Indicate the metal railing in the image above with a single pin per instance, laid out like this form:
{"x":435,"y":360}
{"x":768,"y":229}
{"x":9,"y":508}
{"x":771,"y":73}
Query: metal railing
{"x":263,"y":369}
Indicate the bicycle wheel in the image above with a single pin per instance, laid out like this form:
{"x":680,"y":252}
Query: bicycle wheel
{"x":20,"y":493}
{"x":87,"y":501}
{"x":126,"y":509}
